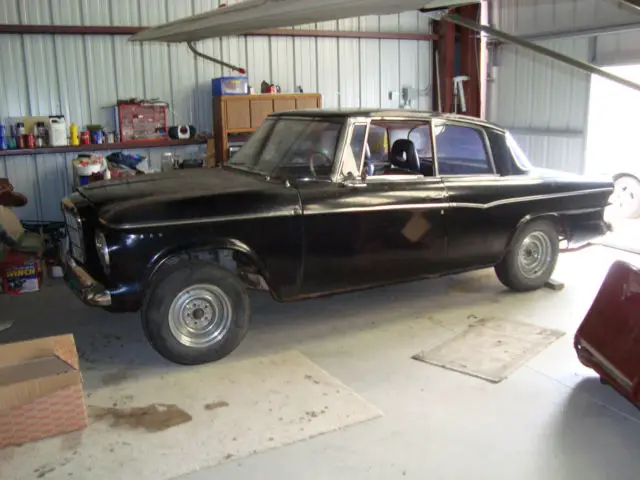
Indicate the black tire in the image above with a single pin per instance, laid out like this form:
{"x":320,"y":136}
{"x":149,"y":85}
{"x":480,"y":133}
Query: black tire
{"x":511,"y":271}
{"x":157,"y":315}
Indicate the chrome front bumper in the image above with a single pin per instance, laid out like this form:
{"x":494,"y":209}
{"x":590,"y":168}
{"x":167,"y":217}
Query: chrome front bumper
{"x":83,"y":285}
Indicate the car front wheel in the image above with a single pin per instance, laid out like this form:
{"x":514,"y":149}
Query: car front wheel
{"x":196,"y":314}
{"x":531,"y":257}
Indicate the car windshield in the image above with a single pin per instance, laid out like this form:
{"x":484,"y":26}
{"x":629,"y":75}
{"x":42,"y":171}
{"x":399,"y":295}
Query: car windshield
{"x":298,"y":148}
{"x":518,"y":154}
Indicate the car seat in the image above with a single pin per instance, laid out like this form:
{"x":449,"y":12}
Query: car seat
{"x":405,"y":155}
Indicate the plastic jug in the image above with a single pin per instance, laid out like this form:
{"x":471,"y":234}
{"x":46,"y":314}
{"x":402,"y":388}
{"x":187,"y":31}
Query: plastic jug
{"x":57,"y":131}
{"x":74,"y":139}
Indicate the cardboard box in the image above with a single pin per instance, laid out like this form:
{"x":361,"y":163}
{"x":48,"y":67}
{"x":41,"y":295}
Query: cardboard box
{"x":41,"y":392}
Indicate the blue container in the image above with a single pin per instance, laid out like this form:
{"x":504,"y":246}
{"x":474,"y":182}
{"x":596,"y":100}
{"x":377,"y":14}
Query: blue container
{"x":229,"y":86}
{"x":3,"y":138}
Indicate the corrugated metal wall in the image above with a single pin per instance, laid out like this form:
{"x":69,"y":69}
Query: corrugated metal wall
{"x":78,"y":76}
{"x":544,"y":101}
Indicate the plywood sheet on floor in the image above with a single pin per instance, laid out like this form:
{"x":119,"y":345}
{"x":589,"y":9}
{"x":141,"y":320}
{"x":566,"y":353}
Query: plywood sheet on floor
{"x":491,"y":348}
{"x":188,"y":419}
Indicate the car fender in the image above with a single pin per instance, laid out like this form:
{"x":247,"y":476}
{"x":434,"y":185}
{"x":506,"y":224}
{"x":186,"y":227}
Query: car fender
{"x":553,"y":217}
{"x":170,"y":256}
{"x":625,"y":174}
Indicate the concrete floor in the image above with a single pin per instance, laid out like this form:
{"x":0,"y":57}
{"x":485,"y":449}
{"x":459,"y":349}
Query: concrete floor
{"x":625,"y":236}
{"x":550,"y":419}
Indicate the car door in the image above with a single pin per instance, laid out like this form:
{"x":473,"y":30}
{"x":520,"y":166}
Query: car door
{"x":365,"y":232}
{"x":478,"y":222}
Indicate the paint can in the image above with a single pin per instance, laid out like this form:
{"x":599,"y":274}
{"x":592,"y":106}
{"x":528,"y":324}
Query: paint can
{"x":29,"y":140}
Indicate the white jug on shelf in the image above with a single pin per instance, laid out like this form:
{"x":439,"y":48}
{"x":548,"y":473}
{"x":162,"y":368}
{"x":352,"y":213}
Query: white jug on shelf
{"x":57,"y":131}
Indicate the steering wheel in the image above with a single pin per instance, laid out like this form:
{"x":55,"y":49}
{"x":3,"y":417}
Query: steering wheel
{"x":318,"y":155}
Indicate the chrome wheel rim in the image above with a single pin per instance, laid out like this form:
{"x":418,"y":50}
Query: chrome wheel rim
{"x":200,"y":316}
{"x":626,"y":195}
{"x":534,"y":254}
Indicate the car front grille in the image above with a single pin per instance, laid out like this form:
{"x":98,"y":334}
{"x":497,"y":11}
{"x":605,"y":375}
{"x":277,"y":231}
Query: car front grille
{"x":73,"y":225}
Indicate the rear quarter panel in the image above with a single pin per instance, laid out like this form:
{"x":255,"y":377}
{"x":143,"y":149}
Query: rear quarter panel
{"x":486,"y":211}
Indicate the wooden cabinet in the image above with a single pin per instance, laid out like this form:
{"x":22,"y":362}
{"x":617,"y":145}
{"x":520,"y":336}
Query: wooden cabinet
{"x":243,"y":114}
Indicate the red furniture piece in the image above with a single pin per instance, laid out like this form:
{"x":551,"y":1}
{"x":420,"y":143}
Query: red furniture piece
{"x":608,"y":340}
{"x":10,"y":198}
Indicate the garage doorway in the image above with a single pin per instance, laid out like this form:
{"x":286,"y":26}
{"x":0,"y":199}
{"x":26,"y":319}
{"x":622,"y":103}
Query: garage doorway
{"x":613,"y":149}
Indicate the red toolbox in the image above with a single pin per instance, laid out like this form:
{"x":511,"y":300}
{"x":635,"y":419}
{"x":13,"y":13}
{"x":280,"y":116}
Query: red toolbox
{"x":141,"y":121}
{"x":608,"y":340}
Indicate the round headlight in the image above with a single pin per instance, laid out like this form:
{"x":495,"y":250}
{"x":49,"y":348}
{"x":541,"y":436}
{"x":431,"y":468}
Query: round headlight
{"x":103,"y":250}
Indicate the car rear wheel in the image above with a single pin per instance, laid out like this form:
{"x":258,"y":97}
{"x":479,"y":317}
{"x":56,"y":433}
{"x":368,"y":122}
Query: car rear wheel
{"x":196,"y":314}
{"x":531,"y":257}
{"x":626,"y":197}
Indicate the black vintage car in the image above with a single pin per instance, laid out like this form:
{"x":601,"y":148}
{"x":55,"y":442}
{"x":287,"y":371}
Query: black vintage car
{"x":320,"y":202}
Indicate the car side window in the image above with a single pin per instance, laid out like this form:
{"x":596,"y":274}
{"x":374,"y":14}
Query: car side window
{"x":399,"y":148}
{"x":352,"y":157}
{"x":461,"y":151}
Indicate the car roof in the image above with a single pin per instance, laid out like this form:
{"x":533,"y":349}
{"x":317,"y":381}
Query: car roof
{"x":384,"y":113}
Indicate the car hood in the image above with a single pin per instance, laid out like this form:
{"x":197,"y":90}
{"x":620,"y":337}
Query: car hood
{"x":186,"y":195}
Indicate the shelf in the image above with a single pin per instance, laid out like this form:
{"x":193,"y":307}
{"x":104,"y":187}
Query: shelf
{"x":103,"y":146}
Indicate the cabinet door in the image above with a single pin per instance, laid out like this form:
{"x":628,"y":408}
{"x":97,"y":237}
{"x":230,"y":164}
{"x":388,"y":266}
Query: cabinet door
{"x":306,"y":102}
{"x":259,"y":110}
{"x":283,"y":105}
{"x":238,"y":114}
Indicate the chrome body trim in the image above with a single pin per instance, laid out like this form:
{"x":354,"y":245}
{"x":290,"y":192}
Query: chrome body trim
{"x":531,"y":198}
{"x":613,"y":371}
{"x":69,"y":210}
{"x":197,"y":221}
{"x":379,"y":208}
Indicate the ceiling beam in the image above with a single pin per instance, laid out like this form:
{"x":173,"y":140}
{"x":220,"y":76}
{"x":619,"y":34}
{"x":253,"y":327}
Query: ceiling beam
{"x":583,"y":32}
{"x":274,"y":32}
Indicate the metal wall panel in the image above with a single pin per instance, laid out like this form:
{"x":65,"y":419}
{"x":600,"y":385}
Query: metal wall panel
{"x":526,"y":17}
{"x":531,"y":93}
{"x":556,"y":152}
{"x":82,"y":76}
{"x":618,"y":48}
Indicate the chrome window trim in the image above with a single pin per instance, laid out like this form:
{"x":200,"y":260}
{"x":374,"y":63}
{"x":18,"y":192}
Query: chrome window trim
{"x":417,"y":176}
{"x":345,"y":139}
{"x":483,"y":136}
